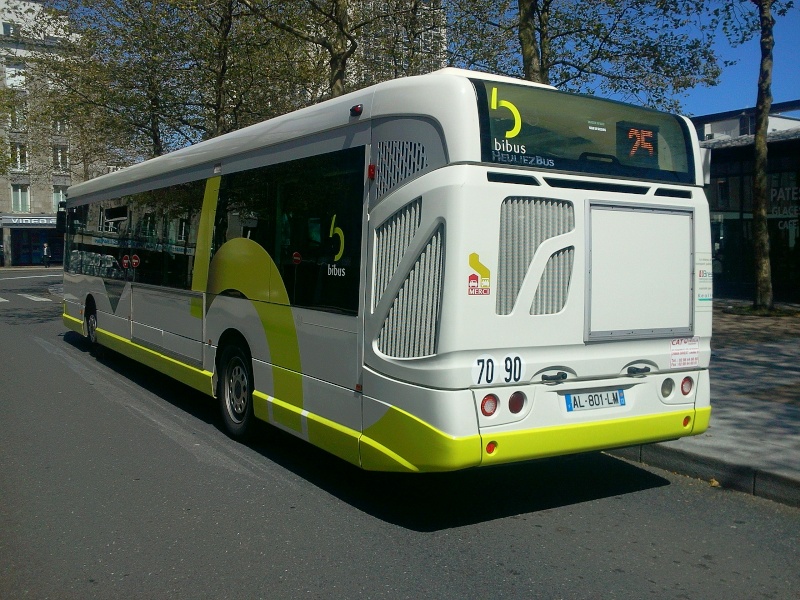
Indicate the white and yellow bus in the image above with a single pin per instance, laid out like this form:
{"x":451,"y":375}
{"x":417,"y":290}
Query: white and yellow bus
{"x":429,"y":274}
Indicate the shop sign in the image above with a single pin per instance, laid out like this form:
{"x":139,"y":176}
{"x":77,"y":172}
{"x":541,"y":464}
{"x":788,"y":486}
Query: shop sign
{"x":19,"y":221}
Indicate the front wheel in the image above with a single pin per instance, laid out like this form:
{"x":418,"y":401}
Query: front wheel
{"x":235,"y":391}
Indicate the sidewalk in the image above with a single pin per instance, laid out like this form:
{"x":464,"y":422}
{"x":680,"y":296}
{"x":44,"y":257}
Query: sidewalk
{"x":753,"y":442}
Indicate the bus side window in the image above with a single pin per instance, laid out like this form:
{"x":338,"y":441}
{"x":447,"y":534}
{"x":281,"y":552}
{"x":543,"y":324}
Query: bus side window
{"x":306,"y":214}
{"x":245,"y":209}
{"x":319,"y":249}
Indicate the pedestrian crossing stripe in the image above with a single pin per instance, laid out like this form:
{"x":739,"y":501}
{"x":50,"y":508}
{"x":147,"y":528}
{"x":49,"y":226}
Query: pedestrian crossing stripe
{"x":35,"y":298}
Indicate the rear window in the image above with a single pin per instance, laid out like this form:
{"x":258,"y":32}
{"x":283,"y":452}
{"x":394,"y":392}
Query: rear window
{"x":547,"y":129}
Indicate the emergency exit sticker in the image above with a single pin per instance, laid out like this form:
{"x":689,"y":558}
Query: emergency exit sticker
{"x":684,"y":352}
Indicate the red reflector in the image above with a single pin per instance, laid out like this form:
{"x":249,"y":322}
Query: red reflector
{"x":516,"y":402}
{"x":686,"y":386}
{"x":686,"y":421}
{"x":489,"y":405}
{"x":371,"y":172}
{"x":491,"y":447}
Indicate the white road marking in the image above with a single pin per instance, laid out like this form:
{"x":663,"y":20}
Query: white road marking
{"x":31,"y":277}
{"x":35,"y":298}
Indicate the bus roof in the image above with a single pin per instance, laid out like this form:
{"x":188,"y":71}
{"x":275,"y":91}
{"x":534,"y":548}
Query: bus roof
{"x":419,"y":95}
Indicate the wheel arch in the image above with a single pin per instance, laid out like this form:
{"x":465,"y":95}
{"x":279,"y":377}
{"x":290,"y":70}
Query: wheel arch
{"x":231,"y":337}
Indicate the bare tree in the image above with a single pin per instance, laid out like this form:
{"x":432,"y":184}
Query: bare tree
{"x":741,"y":21}
{"x":763,"y":296}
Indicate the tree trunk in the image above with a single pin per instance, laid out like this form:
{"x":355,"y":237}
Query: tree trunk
{"x":763,"y":271}
{"x":340,"y":51}
{"x":532,"y":70}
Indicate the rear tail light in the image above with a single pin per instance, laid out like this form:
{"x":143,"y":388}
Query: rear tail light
{"x":667,"y":387}
{"x":516,"y":402}
{"x":489,"y":405}
{"x":686,"y":386}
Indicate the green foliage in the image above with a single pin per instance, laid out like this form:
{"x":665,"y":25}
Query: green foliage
{"x":643,"y":51}
{"x":739,"y":20}
{"x":142,"y":78}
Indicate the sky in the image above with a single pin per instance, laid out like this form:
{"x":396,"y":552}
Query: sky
{"x":739,"y":84}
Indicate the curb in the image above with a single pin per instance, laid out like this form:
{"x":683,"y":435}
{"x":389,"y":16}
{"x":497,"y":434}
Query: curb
{"x":749,"y":480}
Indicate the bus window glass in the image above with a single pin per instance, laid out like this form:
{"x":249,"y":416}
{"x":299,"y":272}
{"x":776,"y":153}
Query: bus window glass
{"x":543,"y":128}
{"x":307,"y":215}
{"x":145,"y":238}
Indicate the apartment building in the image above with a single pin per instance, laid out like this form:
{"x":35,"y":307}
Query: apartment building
{"x":38,"y":174}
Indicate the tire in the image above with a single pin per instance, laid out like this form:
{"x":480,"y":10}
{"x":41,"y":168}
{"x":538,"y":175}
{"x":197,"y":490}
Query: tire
{"x":235,"y":392}
{"x":90,"y":321}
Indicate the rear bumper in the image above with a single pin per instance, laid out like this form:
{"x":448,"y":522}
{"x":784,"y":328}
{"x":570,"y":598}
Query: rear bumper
{"x":516,"y":446}
{"x":401,"y":442}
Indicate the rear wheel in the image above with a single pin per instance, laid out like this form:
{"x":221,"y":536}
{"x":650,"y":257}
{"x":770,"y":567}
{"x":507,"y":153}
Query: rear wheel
{"x":90,"y":326}
{"x":235,"y":391}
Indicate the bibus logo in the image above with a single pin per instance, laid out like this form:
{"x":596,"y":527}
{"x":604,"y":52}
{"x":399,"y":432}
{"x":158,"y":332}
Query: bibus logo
{"x":506,"y":146}
{"x":336,"y":271}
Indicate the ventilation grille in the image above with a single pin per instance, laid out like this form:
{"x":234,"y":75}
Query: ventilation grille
{"x":551,"y":295}
{"x":524,"y":224}
{"x":411,"y":328}
{"x":392,"y":239}
{"x":397,"y":161}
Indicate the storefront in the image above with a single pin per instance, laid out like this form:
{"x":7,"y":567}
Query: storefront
{"x":24,"y":237}
{"x":730,"y":197}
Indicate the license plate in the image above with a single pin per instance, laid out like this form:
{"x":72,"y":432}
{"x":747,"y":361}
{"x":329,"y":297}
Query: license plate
{"x":592,"y":400}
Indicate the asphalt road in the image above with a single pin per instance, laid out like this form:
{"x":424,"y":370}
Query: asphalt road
{"x":118,"y":483}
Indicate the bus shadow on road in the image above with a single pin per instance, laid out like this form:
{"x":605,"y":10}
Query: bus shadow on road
{"x":170,"y":390}
{"x":435,"y":501}
{"x":420,"y":502}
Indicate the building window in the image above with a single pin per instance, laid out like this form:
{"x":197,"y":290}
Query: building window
{"x":17,"y":117}
{"x":15,"y":75}
{"x":747,"y":124}
{"x":147,"y":227}
{"x":19,"y":157}
{"x":59,"y":195}
{"x":109,"y":220}
{"x":183,"y":230}
{"x":11,"y":29}
{"x":20,"y":198}
{"x":60,"y":126}
{"x":60,"y":158}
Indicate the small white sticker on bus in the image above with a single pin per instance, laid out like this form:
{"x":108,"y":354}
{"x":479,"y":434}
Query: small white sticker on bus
{"x":684,"y":352}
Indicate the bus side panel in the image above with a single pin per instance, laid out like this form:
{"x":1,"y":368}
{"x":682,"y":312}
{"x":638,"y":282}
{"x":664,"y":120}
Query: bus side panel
{"x":113,"y":309}
{"x":323,"y":413}
{"x":163,"y":316}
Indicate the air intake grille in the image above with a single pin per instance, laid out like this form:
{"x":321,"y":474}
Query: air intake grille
{"x":397,"y":161}
{"x":410,"y":330}
{"x":524,"y":224}
{"x":392,"y":239}
{"x":551,"y":295}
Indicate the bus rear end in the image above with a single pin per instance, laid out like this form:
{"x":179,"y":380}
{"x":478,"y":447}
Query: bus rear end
{"x":552,"y":297}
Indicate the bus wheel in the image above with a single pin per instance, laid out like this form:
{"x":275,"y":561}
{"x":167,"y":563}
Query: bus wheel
{"x":235,"y":391}
{"x":90,"y":317}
